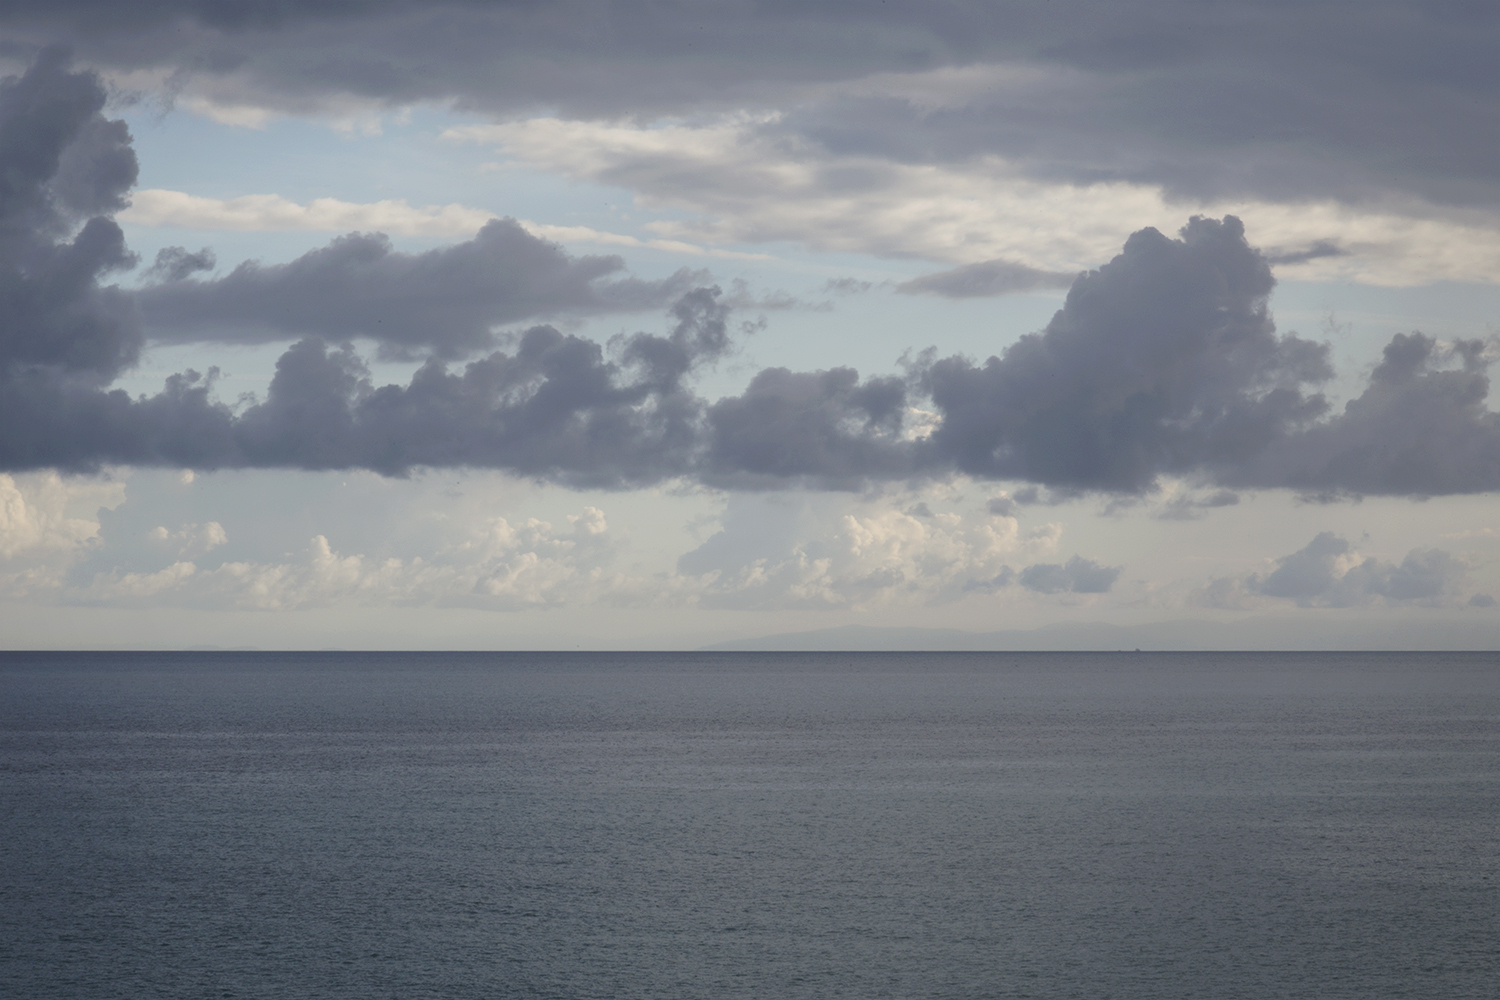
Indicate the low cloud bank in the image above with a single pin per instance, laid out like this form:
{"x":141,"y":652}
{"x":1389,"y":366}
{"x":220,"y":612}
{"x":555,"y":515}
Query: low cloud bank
{"x":1163,"y":362}
{"x":158,"y":546}
{"x":1329,"y":573}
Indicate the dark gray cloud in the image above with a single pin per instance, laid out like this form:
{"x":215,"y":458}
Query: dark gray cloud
{"x":1258,"y":97}
{"x":1077,"y":576}
{"x":1421,"y":428}
{"x":1255,"y":98}
{"x":999,"y":581}
{"x":177,"y":263}
{"x":1317,"y":251}
{"x":847,"y":286}
{"x":1004,"y":507}
{"x":555,"y":406}
{"x":825,"y":429}
{"x":1164,"y":361}
{"x":60,"y":164}
{"x":1188,"y":507}
{"x":64,"y":336}
{"x":1324,"y":574}
{"x":447,"y":301}
{"x":986,"y":278}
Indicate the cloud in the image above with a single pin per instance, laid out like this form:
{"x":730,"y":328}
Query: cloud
{"x":501,"y":567}
{"x":1319,"y":250}
{"x":35,"y":516}
{"x":67,"y":336}
{"x":1288,"y":102}
{"x":823,"y":428}
{"x":272,"y":212}
{"x":177,"y":263}
{"x":1003,"y":505}
{"x":44,"y":529}
{"x":1076,"y":576}
{"x":189,"y":541}
{"x":1329,"y":573}
{"x":1163,"y":362}
{"x":790,"y":551}
{"x":739,"y":183}
{"x":1420,"y":428}
{"x":786,"y":551}
{"x":847,"y":286}
{"x":63,"y":167}
{"x":252,"y":212}
{"x":985,"y":278}
{"x":584,"y":234}
{"x":742,"y":178}
{"x":555,"y":408}
{"x":1187,"y":507}
{"x":448,"y":301}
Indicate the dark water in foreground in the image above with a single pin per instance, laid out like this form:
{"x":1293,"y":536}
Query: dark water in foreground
{"x":750,"y":825}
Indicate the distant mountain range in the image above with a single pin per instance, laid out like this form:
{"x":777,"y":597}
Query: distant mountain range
{"x":1251,"y":634}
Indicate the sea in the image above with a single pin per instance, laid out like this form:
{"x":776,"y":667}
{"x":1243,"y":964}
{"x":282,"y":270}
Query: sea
{"x":768,"y":825}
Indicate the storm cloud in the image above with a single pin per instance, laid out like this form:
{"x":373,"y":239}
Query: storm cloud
{"x":1165,"y":361}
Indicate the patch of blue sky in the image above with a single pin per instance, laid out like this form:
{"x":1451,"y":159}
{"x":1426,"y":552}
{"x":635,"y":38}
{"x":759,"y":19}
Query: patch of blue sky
{"x":409,"y":159}
{"x":297,"y":158}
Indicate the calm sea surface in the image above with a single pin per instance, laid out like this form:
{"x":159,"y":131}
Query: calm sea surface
{"x":750,"y":825}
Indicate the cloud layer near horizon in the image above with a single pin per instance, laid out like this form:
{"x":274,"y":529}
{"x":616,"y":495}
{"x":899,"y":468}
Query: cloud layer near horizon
{"x":1327,"y":572}
{"x":144,"y":545}
{"x":819,"y":556}
{"x":1165,"y":361}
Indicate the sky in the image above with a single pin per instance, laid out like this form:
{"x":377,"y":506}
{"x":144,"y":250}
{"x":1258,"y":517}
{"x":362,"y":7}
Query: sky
{"x":598,"y":325}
